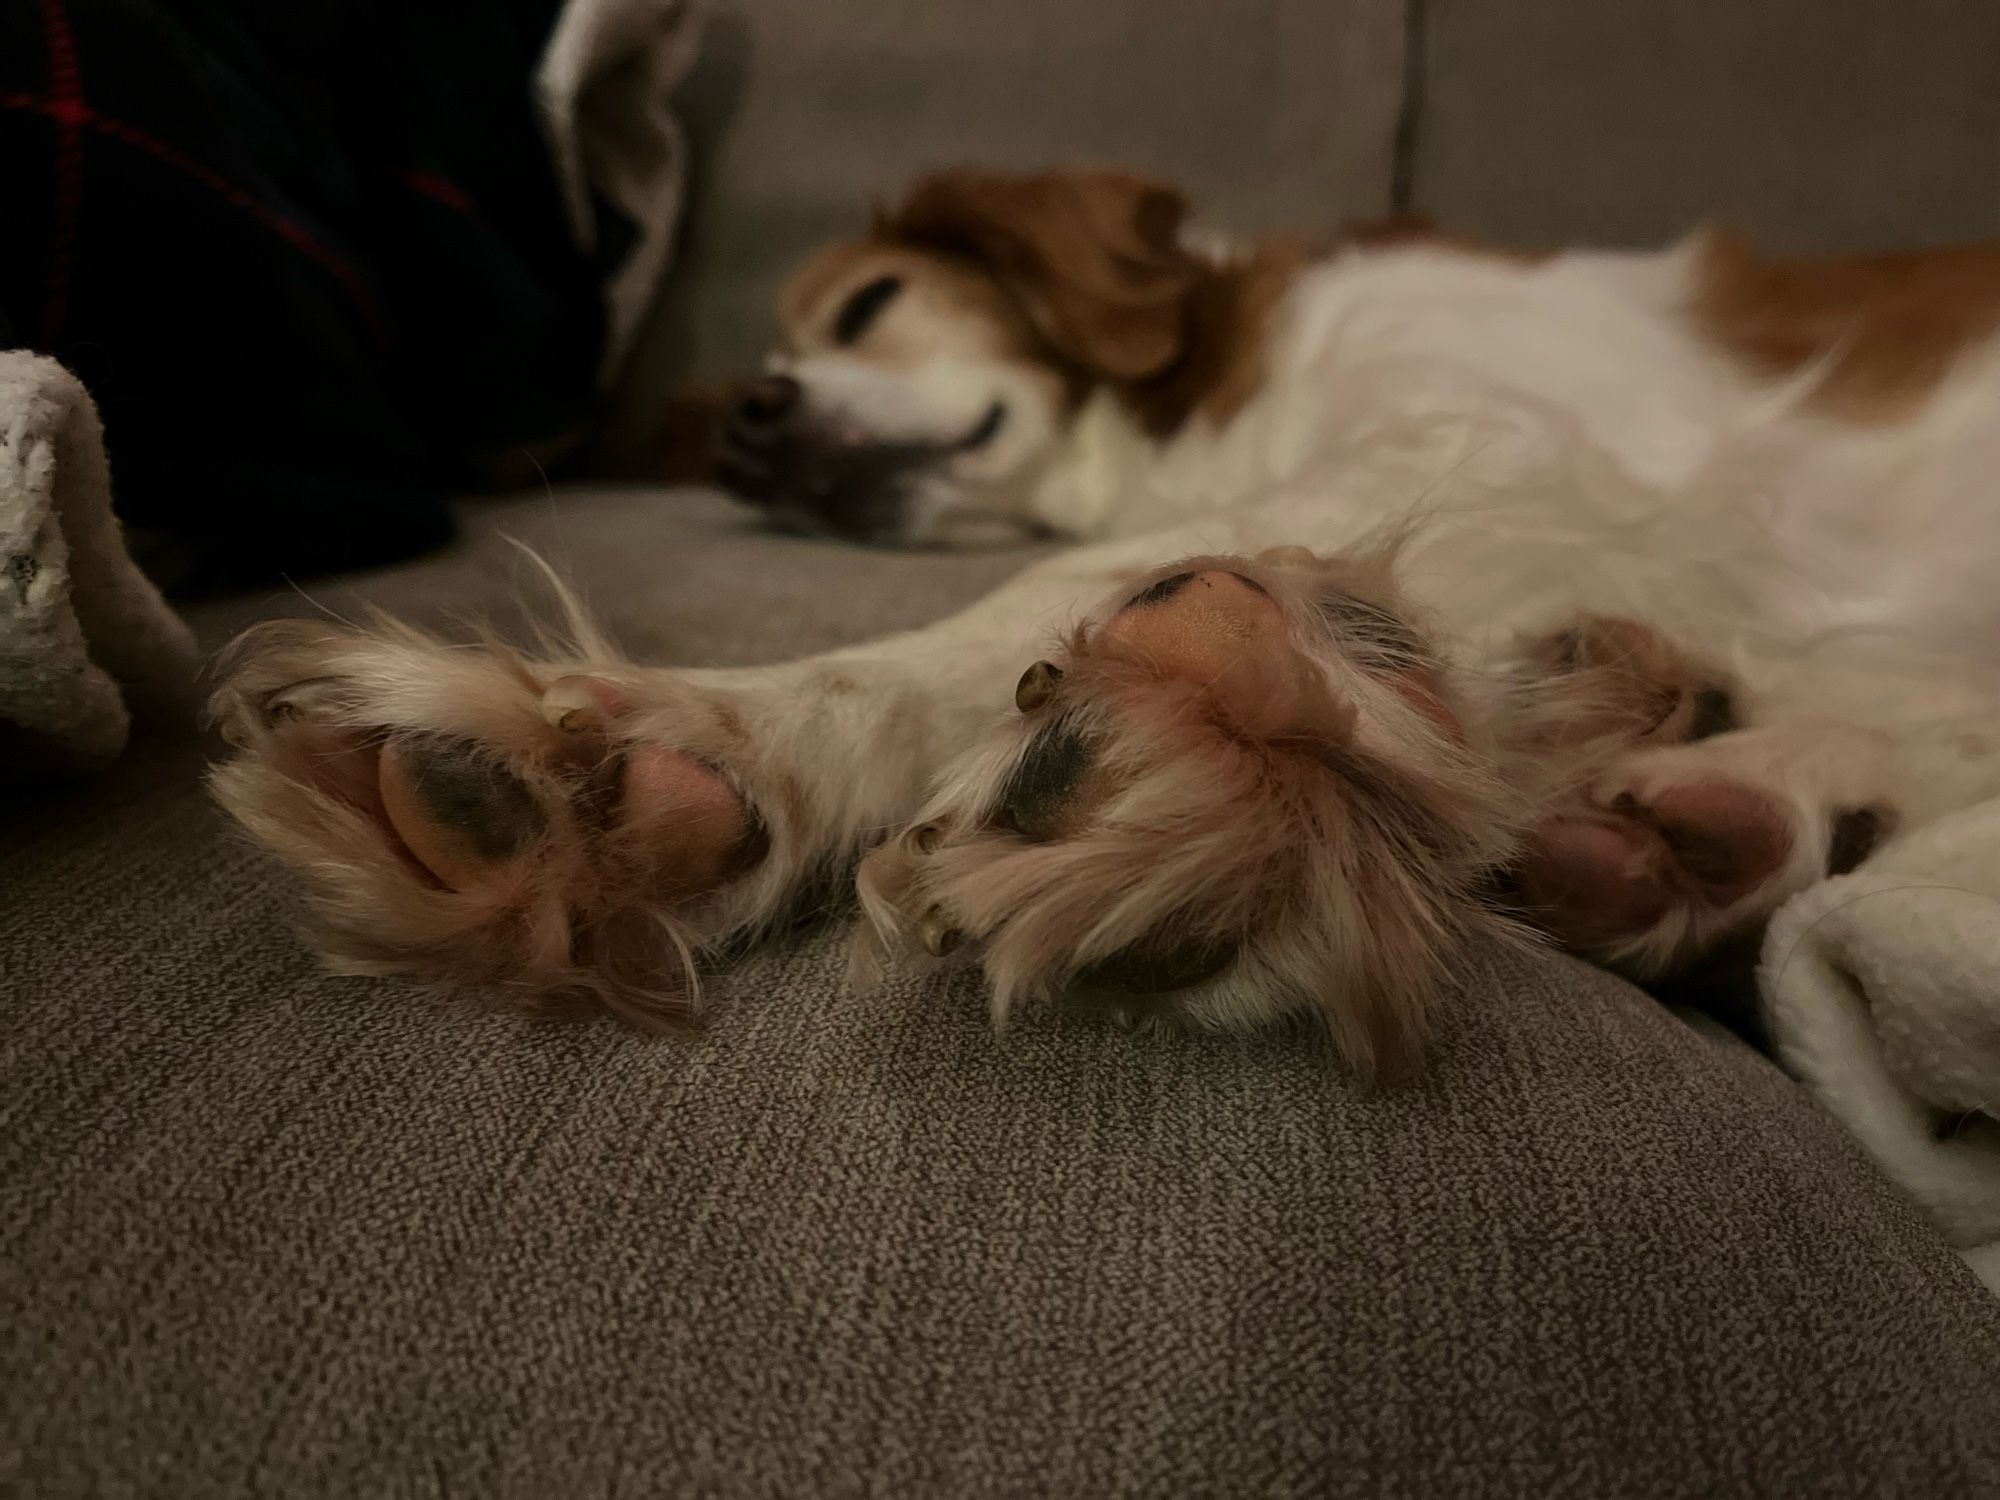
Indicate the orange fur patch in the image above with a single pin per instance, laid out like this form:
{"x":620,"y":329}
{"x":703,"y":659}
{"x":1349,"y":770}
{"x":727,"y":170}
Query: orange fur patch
{"x":1092,"y":258}
{"x":1226,"y":329}
{"x":1888,"y":327}
{"x":1095,"y":263}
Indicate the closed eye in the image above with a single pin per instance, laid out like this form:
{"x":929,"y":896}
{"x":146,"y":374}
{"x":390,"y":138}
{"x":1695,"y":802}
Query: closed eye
{"x":987,"y":428}
{"x":863,"y":307}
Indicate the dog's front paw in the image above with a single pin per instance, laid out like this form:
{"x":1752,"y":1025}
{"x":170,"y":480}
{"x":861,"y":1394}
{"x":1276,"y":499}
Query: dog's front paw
{"x":1243,"y":786}
{"x":466,"y":816}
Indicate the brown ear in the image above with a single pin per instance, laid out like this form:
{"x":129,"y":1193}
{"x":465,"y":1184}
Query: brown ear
{"x":1092,"y":257}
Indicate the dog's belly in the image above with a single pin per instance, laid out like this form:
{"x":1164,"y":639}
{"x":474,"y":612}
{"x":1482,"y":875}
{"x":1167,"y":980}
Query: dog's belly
{"x":1782,"y":533}
{"x":1561,"y":438}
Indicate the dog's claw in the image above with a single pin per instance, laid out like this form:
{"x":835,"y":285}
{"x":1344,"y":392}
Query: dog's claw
{"x":1037,"y":686}
{"x":580,"y":705}
{"x":938,"y":935}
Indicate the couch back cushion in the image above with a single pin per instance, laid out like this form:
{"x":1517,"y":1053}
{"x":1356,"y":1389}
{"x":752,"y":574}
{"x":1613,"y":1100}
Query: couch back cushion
{"x":1811,"y":124}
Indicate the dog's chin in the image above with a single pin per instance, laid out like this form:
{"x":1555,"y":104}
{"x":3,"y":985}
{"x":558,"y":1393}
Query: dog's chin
{"x":900,"y":525}
{"x":858,"y":493}
{"x":911,"y":506}
{"x":871,"y":521}
{"x":971,"y":528}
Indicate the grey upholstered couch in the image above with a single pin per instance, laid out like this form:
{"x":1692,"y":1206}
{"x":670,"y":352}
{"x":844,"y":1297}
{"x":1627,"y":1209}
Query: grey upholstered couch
{"x":263,"y":1231}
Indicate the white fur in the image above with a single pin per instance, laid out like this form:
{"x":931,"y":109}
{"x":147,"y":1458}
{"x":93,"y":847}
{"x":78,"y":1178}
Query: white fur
{"x":1535,"y":412}
{"x":1392,"y":370}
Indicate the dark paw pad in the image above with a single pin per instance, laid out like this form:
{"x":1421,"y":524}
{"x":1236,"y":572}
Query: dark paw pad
{"x":458,"y":811}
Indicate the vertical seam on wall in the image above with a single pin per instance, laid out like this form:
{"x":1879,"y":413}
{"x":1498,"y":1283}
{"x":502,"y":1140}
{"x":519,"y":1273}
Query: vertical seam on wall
{"x":1403,"y":155}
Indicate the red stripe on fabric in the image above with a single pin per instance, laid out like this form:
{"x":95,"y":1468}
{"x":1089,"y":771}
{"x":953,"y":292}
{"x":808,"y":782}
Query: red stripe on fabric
{"x":442,"y":190}
{"x":287,"y":229}
{"x":67,"y":108}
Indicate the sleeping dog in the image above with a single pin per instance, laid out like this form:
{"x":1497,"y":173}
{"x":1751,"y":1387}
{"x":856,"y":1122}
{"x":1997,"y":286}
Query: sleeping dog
{"x":1417,"y":591}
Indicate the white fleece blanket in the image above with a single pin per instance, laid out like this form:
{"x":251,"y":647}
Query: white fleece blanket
{"x":1883,"y":992}
{"x":85,"y":639}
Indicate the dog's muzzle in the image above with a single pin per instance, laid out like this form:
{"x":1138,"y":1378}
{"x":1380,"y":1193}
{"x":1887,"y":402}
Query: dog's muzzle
{"x":776,"y":455}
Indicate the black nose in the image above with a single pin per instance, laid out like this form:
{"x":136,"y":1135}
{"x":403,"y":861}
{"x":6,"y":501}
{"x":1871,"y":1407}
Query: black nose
{"x":767,"y":402}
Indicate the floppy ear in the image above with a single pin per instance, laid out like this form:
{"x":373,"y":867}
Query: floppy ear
{"x":1092,"y":257}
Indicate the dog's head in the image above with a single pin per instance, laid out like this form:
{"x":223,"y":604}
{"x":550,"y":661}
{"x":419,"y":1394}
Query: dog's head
{"x":932,"y":369}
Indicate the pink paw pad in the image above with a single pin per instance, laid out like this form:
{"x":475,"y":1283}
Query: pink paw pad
{"x":474,"y":824}
{"x":1224,"y":632}
{"x":1594,"y":879}
{"x":1727,"y":837}
{"x":1613,"y":874}
{"x":688,"y":815}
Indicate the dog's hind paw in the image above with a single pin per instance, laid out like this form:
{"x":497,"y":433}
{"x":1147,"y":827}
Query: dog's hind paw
{"x":1676,"y":850}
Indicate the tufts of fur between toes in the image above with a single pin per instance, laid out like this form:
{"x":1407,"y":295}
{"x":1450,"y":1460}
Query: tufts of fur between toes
{"x":1220,"y":883}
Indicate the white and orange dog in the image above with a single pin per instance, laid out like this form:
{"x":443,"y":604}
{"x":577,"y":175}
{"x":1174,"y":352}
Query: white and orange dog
{"x":1419,"y":591}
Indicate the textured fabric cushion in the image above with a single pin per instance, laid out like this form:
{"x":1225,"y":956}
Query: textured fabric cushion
{"x":267,"y":1231}
{"x":1830,"y":124}
{"x":1266,"y":111}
